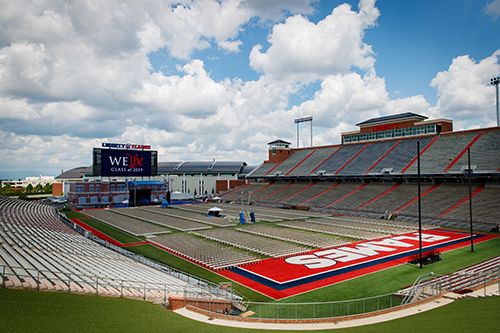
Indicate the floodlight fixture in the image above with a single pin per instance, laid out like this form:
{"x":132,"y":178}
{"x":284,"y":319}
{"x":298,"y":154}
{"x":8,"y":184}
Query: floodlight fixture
{"x":495,"y":81}
{"x":303,"y":120}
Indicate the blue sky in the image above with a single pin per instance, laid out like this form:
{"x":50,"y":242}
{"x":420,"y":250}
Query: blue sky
{"x":416,"y":39}
{"x":204,"y":79}
{"x":413,"y":40}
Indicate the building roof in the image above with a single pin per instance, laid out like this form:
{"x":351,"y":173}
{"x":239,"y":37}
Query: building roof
{"x":176,"y":168}
{"x":209,"y":167}
{"x":398,"y":117}
{"x":247,"y":169}
{"x":279,"y":141}
{"x":227,"y":167}
{"x":167,"y":167}
{"x":75,"y":173}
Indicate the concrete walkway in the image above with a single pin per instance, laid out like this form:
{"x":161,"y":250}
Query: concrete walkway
{"x":491,"y":290}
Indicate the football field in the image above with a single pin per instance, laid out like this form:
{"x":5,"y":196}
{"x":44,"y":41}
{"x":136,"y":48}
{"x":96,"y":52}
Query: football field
{"x":279,"y":278}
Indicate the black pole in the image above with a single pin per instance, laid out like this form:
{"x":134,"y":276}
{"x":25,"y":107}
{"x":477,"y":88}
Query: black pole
{"x":470,"y":204}
{"x":419,"y":205}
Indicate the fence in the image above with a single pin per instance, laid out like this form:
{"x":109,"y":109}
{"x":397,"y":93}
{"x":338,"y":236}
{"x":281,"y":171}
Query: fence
{"x":464,"y":280}
{"x":300,"y":311}
{"x":29,"y":278}
{"x":470,"y":280}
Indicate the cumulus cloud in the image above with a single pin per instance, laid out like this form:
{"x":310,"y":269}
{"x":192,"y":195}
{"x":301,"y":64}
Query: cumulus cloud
{"x":416,"y":104}
{"x":231,"y":46}
{"x":75,"y":74}
{"x":275,"y":10}
{"x":464,"y":90}
{"x":342,"y":100}
{"x":303,"y":51}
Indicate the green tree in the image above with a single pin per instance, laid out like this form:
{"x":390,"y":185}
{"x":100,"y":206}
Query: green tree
{"x":29,"y":188}
{"x":47,"y":188}
{"x":38,"y":188}
{"x":7,"y":189}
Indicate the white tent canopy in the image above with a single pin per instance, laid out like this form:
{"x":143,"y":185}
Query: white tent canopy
{"x":215,"y":211}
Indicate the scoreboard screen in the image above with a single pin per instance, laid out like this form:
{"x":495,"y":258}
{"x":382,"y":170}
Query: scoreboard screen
{"x":124,"y":163}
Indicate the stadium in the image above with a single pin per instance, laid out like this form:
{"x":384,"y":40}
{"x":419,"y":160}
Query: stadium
{"x":402,"y":214}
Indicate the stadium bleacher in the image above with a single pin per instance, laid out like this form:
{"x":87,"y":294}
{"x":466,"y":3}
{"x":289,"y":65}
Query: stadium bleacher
{"x":365,"y":178}
{"x":38,"y":251}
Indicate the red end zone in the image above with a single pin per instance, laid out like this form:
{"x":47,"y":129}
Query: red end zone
{"x":285,"y":277}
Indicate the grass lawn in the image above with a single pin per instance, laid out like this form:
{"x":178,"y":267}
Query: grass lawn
{"x":395,"y":278}
{"x":378,"y":283}
{"x":32,"y":311}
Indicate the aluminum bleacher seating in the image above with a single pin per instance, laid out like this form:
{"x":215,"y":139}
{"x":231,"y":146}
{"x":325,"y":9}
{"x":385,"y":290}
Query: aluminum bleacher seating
{"x":286,"y":166}
{"x":263,"y":169}
{"x":364,"y":195}
{"x":440,"y":154}
{"x":313,"y":162}
{"x":235,"y":194}
{"x":484,"y":155}
{"x":401,"y":156}
{"x":341,"y":157}
{"x":125,"y":223}
{"x":295,"y":236}
{"x":163,"y":220}
{"x":192,"y":216}
{"x":366,"y":158}
{"x":38,"y":251}
{"x":283,"y":193}
{"x":262,"y":245}
{"x":205,"y":253}
{"x":486,"y":205}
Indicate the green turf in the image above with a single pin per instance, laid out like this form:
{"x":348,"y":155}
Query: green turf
{"x":31,"y":311}
{"x":395,"y":278}
{"x":378,"y":283}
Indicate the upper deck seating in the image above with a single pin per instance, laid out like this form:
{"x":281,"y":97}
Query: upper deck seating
{"x":401,"y":156}
{"x":484,"y":155}
{"x":366,"y":158}
{"x":333,"y":164}
{"x":439,"y":155}
{"x":312,"y":162}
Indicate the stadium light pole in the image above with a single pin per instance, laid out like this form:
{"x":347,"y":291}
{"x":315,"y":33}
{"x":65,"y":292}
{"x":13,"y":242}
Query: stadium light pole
{"x":495,"y":81}
{"x":302,"y":120}
{"x":419,"y":205}
{"x":135,"y":192}
{"x":470,"y":204}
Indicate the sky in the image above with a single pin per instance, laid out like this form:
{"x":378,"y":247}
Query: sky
{"x":202,"y":79}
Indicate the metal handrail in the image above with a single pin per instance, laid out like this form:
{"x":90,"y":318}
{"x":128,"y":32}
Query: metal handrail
{"x":177,"y":273}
